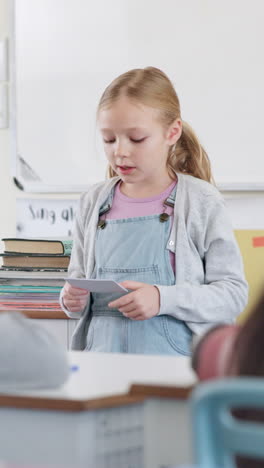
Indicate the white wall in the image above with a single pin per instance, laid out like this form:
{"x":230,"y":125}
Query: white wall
{"x":245,"y":212}
{"x":8,"y":191}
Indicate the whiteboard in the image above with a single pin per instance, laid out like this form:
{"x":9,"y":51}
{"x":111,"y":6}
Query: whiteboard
{"x":45,"y":217}
{"x":65,"y":52}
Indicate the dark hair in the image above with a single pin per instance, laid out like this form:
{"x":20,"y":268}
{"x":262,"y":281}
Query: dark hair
{"x":248,"y":357}
{"x":248,"y":360}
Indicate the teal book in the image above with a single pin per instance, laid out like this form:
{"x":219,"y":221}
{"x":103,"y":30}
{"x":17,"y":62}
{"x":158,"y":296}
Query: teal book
{"x":6,"y":289}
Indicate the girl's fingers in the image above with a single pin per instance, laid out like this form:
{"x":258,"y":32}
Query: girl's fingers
{"x":133,"y":314}
{"x":75,"y":303}
{"x":69,"y":297}
{"x":70,"y":304}
{"x":122,"y":301}
{"x":74,"y":299}
{"x":128,"y":308}
{"x":133,"y":285}
{"x":74,"y":309}
{"x":137,"y":317}
{"x":75,"y":291}
{"x":78,"y":292}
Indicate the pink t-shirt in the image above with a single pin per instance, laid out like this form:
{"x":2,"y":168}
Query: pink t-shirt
{"x":126,"y":207}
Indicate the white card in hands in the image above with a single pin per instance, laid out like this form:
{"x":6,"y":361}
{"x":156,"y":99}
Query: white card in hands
{"x":96,"y":285}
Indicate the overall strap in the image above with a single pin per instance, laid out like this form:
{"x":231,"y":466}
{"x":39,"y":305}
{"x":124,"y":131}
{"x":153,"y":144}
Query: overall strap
{"x":106,"y":206}
{"x":170,"y":201}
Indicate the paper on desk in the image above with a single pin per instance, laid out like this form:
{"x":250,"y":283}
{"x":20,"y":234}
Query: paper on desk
{"x":96,"y":285}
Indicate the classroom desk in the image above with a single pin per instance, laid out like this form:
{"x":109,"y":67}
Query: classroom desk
{"x":56,"y":322}
{"x":115,"y":411}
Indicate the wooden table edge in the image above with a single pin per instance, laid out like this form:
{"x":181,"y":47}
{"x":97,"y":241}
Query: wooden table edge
{"x":161,"y":391}
{"x":40,"y":314}
{"x":137,"y":393}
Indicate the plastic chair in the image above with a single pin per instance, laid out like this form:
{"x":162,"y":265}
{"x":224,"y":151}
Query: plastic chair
{"x":218,"y":436}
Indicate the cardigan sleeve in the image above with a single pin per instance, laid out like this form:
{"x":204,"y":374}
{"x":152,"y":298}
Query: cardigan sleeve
{"x":219,"y":294}
{"x":76,"y":267}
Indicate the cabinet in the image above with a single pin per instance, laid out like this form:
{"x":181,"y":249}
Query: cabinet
{"x":58,"y":327}
{"x":61,"y":328}
{"x":117,"y":410}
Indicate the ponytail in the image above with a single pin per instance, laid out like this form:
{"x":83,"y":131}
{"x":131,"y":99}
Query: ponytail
{"x":189,"y":157}
{"x":186,"y":156}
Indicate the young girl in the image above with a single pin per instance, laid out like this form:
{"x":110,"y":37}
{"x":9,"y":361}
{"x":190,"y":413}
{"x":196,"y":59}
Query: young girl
{"x":157,"y":226}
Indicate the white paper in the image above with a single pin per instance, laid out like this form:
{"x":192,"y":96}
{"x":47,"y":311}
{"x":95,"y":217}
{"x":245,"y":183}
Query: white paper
{"x":97,"y":285}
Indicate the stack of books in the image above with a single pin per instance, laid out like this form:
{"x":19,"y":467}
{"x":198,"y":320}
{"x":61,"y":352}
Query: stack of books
{"x":32,"y":274}
{"x":36,"y":254}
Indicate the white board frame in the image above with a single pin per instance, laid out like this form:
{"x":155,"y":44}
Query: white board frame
{"x":28,"y":180}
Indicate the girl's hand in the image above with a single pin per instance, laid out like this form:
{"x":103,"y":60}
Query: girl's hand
{"x":74,"y":299}
{"x":141,"y":304}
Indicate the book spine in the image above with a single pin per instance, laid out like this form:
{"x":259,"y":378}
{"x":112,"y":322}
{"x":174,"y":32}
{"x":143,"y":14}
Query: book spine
{"x":67,"y":246}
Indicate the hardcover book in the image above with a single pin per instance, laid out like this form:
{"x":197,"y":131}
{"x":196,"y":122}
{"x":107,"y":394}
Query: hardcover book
{"x":37,"y":246}
{"x":35,"y":261}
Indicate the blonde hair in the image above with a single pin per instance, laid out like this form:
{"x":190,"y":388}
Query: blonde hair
{"x":152,"y":87}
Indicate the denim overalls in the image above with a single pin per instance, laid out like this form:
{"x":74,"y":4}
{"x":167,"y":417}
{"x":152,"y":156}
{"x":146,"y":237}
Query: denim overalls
{"x":134,"y":249}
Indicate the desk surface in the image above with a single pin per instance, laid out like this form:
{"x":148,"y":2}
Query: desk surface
{"x":101,"y":380}
{"x":41,"y":314}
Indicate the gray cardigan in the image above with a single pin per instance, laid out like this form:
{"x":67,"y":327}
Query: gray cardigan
{"x":210,"y":286}
{"x":30,"y":357}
